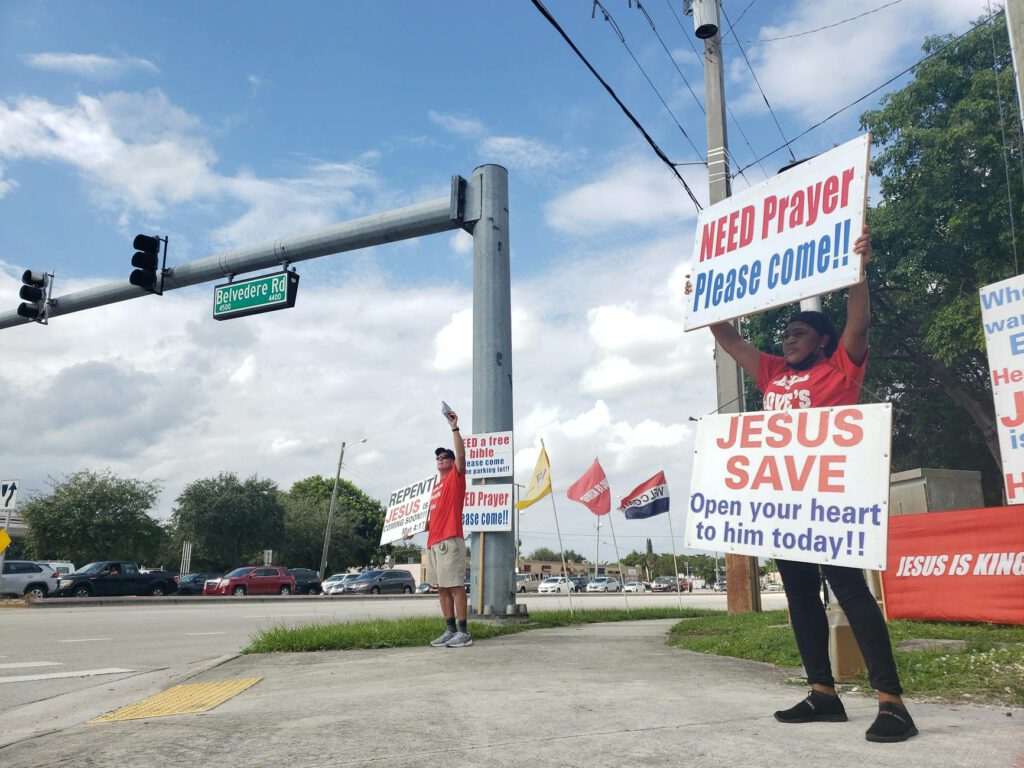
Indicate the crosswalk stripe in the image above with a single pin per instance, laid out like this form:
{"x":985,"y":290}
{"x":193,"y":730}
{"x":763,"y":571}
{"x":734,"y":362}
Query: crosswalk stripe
{"x":59,"y":675}
{"x":26,"y":664}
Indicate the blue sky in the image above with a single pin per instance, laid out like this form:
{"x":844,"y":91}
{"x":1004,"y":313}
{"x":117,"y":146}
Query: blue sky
{"x":224,"y":125}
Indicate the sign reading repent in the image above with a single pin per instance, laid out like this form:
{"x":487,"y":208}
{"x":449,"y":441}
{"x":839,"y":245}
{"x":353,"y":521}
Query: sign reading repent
{"x":255,"y":295}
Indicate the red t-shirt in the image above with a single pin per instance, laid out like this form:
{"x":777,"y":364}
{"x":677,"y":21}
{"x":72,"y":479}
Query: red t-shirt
{"x":835,"y":381}
{"x":446,"y":502}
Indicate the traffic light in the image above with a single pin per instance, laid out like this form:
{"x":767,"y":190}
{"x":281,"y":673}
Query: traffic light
{"x":147,"y":261}
{"x":33,"y":293}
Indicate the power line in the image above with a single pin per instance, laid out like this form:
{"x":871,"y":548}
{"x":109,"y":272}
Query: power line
{"x":812,"y":31}
{"x":671,"y":58}
{"x":740,"y":18}
{"x":892,"y":79}
{"x":622,"y":39}
{"x":728,"y":108}
{"x":657,"y":150}
{"x":758,"y":84}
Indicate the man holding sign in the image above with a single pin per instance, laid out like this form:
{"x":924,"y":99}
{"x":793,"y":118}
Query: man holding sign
{"x":446,"y":543}
{"x":819,"y":369}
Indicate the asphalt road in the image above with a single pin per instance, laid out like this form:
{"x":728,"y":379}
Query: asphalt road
{"x":50,"y":651}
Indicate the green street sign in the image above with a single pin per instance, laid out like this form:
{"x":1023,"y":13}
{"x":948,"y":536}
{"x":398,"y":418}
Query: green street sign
{"x":257,"y":294}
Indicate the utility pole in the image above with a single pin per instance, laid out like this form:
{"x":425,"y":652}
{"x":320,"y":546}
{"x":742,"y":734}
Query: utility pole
{"x":330,"y":514}
{"x":1015,"y":26}
{"x":744,"y":593}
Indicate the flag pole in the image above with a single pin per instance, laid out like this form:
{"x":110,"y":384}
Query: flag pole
{"x":619,"y":559}
{"x":561,"y":551}
{"x":675,"y":562}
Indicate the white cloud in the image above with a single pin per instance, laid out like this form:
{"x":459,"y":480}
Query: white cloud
{"x":813,"y":75}
{"x":519,"y":152}
{"x":139,"y":152}
{"x":89,"y":65}
{"x":637,"y":192}
{"x":461,"y":126}
{"x":462,"y":242}
{"x":514,"y":152}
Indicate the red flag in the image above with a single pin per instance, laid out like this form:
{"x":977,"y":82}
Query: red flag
{"x":591,"y":490}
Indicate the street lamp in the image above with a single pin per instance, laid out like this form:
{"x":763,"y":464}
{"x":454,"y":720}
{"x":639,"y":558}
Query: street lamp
{"x":334,"y":506}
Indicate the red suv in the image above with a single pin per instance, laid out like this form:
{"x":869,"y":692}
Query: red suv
{"x":252,"y":580}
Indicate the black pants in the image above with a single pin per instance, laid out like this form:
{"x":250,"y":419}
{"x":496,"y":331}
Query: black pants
{"x":810,"y":625}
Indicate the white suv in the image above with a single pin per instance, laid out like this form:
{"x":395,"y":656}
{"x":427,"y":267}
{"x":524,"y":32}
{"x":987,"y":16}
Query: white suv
{"x":604,"y":584}
{"x":23,"y":577}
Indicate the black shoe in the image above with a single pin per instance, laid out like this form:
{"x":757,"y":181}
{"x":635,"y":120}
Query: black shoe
{"x":893,"y":723}
{"x":818,"y":707}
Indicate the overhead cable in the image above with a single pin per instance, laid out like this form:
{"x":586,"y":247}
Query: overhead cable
{"x":758,"y":84}
{"x":892,"y":79}
{"x":622,"y":39}
{"x":657,"y":150}
{"x":812,"y":31}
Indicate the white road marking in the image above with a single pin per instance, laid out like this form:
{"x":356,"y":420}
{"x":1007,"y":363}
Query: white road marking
{"x":58,"y":675}
{"x":26,"y":664}
{"x":87,"y":640}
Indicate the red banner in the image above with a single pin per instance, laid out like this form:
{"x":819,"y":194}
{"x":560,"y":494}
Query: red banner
{"x":592,"y":491}
{"x":964,"y":565}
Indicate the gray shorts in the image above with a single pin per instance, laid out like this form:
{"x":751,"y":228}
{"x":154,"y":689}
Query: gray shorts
{"x":446,"y":563}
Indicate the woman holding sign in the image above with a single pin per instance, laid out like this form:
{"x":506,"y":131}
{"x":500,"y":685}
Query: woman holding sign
{"x":818,"y":369}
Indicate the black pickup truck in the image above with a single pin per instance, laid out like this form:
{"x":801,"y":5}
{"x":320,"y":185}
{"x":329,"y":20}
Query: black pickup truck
{"x":109,"y":578}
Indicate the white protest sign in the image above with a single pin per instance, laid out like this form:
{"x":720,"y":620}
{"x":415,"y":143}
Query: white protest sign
{"x":809,"y":484}
{"x":489,"y":455}
{"x":1002,"y":315}
{"x":407,"y":510}
{"x":487,"y":508}
{"x":786,"y":239}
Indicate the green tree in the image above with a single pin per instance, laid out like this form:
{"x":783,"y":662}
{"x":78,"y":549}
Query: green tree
{"x":940,"y":233}
{"x":91,"y":516}
{"x":572,"y":556}
{"x":544,"y":553}
{"x":405,"y":552}
{"x":355,"y":532}
{"x":229,"y":522}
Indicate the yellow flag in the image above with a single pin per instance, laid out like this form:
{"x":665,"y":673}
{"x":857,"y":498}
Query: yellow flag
{"x":5,"y":540}
{"x":540,"y":483}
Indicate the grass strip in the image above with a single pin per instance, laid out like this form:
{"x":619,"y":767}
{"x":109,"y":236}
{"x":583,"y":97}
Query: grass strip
{"x":989,"y":669}
{"x":411,"y":632}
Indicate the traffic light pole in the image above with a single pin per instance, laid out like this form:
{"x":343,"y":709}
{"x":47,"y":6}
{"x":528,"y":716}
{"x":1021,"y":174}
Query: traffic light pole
{"x":431,"y":217}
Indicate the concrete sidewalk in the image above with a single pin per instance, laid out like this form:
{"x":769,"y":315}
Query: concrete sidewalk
{"x":592,"y":696}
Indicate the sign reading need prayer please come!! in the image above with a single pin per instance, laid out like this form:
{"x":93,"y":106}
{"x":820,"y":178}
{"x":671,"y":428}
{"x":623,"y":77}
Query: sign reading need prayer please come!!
{"x":789,"y":238}
{"x":810,"y":485}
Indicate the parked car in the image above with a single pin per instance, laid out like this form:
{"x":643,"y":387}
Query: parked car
{"x":579,"y":583}
{"x":685,"y":585}
{"x":106,"y":578}
{"x":721,"y":586}
{"x":23,"y":577}
{"x":773,"y":586}
{"x":664,"y":584}
{"x":253,"y":580}
{"x":604,"y":584}
{"x":307,"y":581}
{"x":382,"y":582}
{"x":556,"y":584}
{"x":60,"y":566}
{"x":426,"y":588}
{"x":335,"y":583}
{"x":193,"y":583}
{"x":527,"y":582}
{"x":634,"y":586}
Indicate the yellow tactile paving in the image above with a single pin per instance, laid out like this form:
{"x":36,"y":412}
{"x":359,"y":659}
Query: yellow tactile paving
{"x":181,"y":700}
